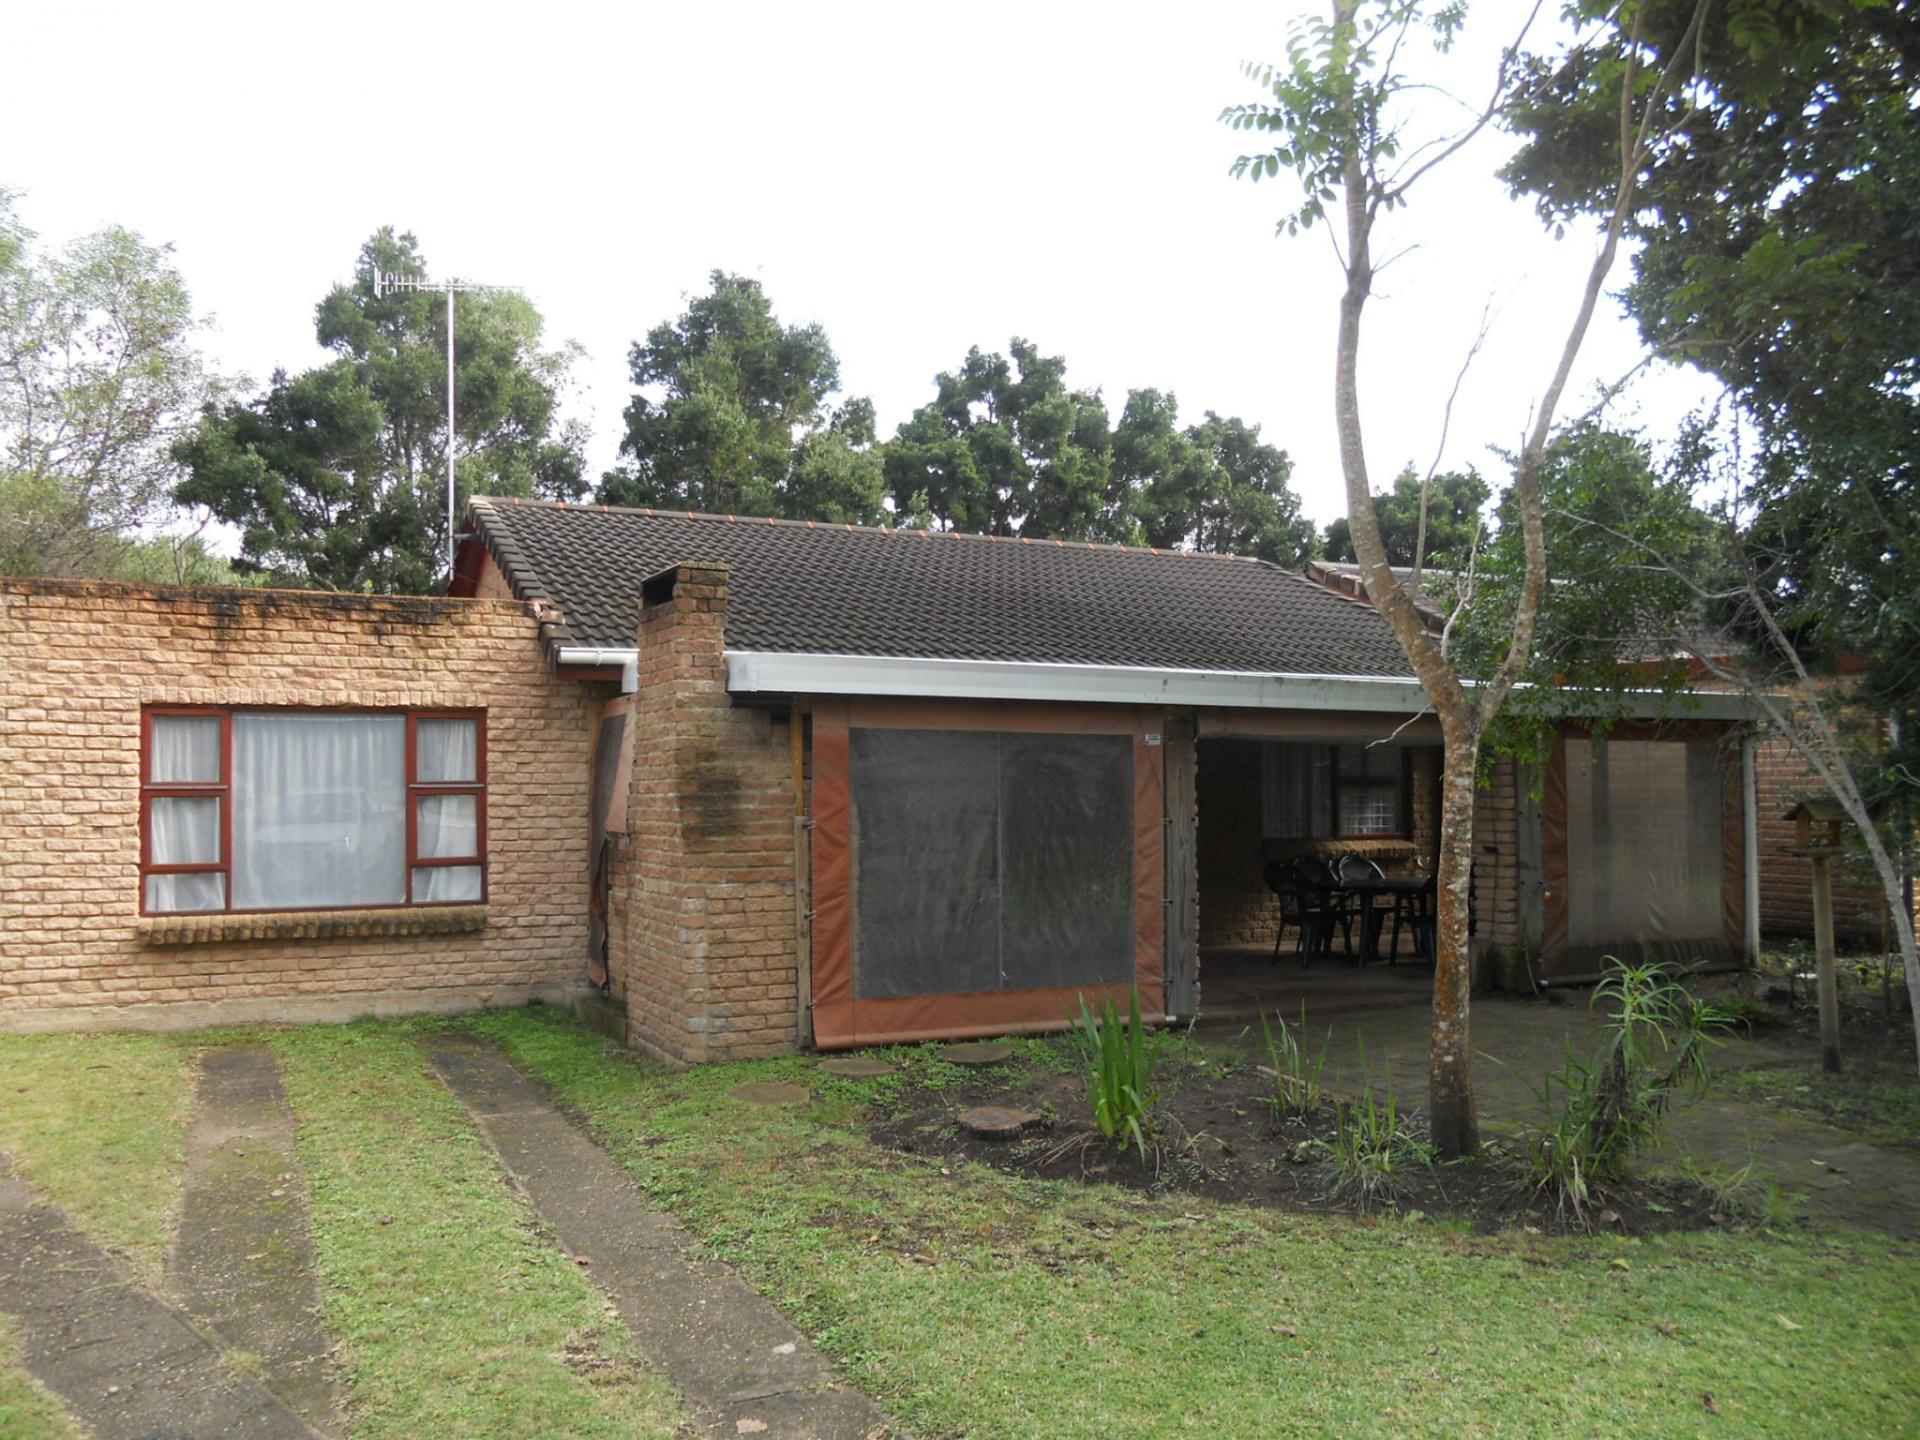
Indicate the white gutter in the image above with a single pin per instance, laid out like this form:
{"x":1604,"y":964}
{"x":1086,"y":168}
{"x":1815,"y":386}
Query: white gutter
{"x":785,"y":673}
{"x":628,"y":660}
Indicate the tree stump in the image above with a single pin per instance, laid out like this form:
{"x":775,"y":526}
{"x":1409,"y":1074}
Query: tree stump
{"x":996,"y":1122}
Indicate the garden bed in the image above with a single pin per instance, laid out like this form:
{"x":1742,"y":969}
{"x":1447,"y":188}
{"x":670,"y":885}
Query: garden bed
{"x":1216,"y":1134}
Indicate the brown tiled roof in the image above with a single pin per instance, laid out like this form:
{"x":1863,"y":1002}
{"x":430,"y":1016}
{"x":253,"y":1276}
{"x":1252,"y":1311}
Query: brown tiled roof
{"x":850,"y":590}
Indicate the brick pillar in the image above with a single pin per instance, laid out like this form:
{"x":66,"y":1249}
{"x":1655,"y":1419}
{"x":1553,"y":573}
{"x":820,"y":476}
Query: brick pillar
{"x":702,"y":930}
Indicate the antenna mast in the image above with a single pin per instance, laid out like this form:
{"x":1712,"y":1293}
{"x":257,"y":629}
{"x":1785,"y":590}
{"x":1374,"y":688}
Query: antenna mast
{"x":385,"y":284}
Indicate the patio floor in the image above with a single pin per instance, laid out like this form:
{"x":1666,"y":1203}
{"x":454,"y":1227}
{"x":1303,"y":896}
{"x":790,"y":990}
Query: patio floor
{"x":1241,"y":983}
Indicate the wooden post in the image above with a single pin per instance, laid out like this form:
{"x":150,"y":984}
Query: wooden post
{"x":1824,"y":965}
{"x":1183,"y":916}
{"x":802,"y":877}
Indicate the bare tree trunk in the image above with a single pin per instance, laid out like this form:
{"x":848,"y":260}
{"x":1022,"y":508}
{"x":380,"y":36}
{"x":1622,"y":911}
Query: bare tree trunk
{"x":1450,"y":1110}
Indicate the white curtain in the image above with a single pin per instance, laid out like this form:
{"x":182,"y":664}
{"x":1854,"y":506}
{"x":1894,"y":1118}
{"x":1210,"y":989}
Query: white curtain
{"x":446,"y":752}
{"x":184,"y":830}
{"x":319,"y":813}
{"x":447,"y":826}
{"x":444,"y":884}
{"x":186,"y":750}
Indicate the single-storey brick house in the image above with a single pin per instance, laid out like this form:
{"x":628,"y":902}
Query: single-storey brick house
{"x":771,"y":784}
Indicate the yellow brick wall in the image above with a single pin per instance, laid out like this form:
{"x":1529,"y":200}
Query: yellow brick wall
{"x":78,"y":660}
{"x":703,"y":937}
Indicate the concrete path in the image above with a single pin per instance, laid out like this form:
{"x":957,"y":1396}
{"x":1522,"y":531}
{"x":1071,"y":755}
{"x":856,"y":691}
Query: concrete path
{"x":1840,"y":1176}
{"x":242,"y":1264}
{"x":128,"y":1366}
{"x":737,"y":1361}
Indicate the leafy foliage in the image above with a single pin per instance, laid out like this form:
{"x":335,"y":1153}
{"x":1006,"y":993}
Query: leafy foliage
{"x":1120,"y":1060}
{"x":337,"y":476}
{"x":1005,"y":448}
{"x":1454,"y":521}
{"x":1779,"y":205}
{"x":98,"y":373}
{"x":1215,"y":487}
{"x":1293,"y":1068}
{"x":732,"y":413}
{"x":1602,"y":1115}
{"x":1373,"y":1148}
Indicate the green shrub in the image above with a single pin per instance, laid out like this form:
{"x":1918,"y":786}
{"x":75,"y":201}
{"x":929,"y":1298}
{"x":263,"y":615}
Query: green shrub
{"x":1292,"y":1068}
{"x":1744,"y":1012}
{"x":1120,"y":1060}
{"x":1373,"y":1148}
{"x":1601,"y":1117}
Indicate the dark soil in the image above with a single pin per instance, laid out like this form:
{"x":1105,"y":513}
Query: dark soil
{"x":1218,"y":1137}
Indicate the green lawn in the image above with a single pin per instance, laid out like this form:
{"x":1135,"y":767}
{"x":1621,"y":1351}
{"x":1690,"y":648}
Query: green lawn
{"x":27,"y":1412}
{"x":457,"y":1316}
{"x":990,"y":1305}
{"x":968,"y":1302}
{"x":98,"y":1125}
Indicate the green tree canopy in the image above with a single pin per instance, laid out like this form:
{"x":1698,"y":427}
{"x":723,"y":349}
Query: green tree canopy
{"x":1779,"y":209}
{"x":337,"y":476}
{"x":733,"y":413}
{"x":1214,"y":486}
{"x":1453,"y":519}
{"x":99,"y":372}
{"x":1005,"y":448}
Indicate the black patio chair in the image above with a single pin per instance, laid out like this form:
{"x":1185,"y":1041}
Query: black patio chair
{"x":1343,"y":908}
{"x":1351,"y":869}
{"x":1304,"y":909}
{"x":1416,"y":909}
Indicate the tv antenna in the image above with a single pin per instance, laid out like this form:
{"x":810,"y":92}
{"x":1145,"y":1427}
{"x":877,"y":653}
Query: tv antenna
{"x":385,"y":284}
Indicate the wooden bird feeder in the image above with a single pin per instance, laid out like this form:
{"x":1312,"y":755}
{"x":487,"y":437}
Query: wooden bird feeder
{"x":1818,"y":834}
{"x":1817,"y":826}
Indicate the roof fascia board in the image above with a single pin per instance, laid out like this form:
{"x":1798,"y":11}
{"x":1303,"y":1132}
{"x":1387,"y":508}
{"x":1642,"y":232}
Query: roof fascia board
{"x":925,"y":677}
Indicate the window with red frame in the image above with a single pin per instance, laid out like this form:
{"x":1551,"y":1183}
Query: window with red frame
{"x":311,"y":809}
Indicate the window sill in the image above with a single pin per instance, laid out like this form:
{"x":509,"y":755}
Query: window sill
{"x":312,"y":925}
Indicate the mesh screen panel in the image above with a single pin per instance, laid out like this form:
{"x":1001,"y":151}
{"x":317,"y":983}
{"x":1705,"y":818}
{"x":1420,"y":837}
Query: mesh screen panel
{"x":1644,"y":857}
{"x":987,"y":861}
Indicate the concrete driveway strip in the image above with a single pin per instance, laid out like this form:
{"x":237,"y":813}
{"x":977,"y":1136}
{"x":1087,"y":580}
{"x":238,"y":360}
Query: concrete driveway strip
{"x":736,"y":1359}
{"x":242,"y":1263}
{"x":128,"y":1366}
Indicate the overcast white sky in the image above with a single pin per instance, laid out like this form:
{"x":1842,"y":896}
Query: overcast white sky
{"x":917,"y":178}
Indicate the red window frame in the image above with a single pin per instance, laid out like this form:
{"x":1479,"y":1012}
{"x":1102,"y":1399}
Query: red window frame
{"x":418,"y":789}
{"x":150,"y":790}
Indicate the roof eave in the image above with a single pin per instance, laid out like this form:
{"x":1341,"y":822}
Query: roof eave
{"x":773,"y":672}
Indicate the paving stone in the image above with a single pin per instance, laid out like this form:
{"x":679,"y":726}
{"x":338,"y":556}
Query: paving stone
{"x":125,"y":1363}
{"x":857,"y":1067}
{"x":977,"y":1052}
{"x":734,"y":1357}
{"x":242,"y":1264}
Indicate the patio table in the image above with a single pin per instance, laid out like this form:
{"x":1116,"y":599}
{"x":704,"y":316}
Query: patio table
{"x":1370,"y":887}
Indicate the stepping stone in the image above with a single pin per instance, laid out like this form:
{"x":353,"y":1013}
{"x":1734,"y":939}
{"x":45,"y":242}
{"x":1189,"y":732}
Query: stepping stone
{"x":771,"y":1092}
{"x":996,"y":1122}
{"x":978,"y":1053}
{"x":856,"y":1067}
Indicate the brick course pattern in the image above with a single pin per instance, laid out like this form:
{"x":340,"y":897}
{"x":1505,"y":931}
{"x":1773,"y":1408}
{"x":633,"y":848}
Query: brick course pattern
{"x":78,"y":660}
{"x":1786,"y":880}
{"x":703,"y":943}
